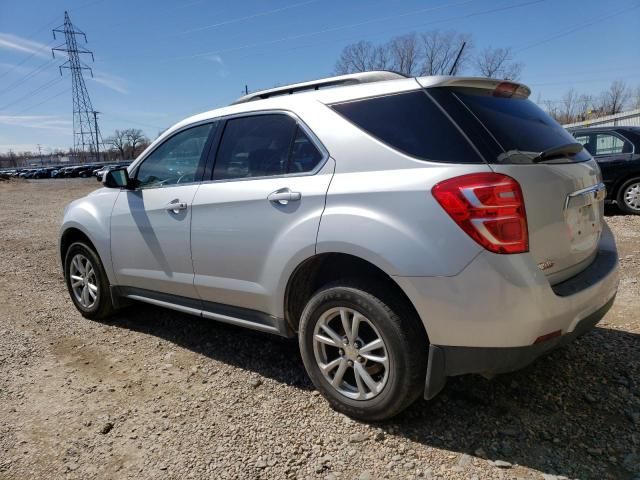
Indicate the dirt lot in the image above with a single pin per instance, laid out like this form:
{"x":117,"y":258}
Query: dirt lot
{"x":156,"y":394}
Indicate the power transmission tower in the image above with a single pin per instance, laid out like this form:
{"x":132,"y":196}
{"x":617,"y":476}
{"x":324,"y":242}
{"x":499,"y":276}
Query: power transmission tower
{"x":86,"y":135}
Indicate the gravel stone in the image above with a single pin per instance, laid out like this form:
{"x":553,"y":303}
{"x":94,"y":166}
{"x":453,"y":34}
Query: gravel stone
{"x":358,"y":438}
{"x":501,"y":464}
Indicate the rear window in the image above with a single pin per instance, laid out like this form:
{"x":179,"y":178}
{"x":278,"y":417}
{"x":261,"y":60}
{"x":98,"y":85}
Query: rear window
{"x":518,"y":123}
{"x":412,"y":123}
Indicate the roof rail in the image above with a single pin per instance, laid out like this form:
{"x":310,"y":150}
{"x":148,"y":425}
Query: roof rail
{"x":341,"y":80}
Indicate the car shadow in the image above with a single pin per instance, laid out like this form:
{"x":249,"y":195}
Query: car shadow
{"x":612,"y":210}
{"x":574,"y":412}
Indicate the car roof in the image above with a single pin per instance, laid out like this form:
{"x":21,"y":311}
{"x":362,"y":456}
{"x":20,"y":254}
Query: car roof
{"x":604,"y":128}
{"x":330,"y":90}
{"x":337,"y":89}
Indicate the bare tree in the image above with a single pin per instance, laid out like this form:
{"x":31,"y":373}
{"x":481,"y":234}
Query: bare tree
{"x":568,"y":106}
{"x":585,"y":106}
{"x":636,"y":98}
{"x":405,"y":54}
{"x":498,"y":63}
{"x":135,"y":138}
{"x":357,"y":57}
{"x":439,"y":52}
{"x":614,"y":99}
{"x":552,"y":109}
{"x":119,"y":141}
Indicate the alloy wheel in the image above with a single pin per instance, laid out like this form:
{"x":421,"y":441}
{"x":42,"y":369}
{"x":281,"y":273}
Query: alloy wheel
{"x":84,"y":281}
{"x":351,"y":353}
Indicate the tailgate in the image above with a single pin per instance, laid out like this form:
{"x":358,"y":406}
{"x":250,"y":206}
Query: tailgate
{"x":565,"y":214}
{"x":563,"y":190}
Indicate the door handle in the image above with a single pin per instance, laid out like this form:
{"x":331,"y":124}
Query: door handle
{"x":284,"y":196}
{"x":176,"y":206}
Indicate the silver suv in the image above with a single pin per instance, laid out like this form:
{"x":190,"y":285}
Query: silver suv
{"x":403,"y":229}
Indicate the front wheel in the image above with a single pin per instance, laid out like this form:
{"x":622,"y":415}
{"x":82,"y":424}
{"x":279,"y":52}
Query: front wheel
{"x":629,"y":196}
{"x":87,"y":282}
{"x":365,"y":358}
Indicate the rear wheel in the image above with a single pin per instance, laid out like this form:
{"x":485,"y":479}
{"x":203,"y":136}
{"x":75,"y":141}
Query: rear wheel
{"x":87,"y":282}
{"x":629,"y":196}
{"x":365,"y":358}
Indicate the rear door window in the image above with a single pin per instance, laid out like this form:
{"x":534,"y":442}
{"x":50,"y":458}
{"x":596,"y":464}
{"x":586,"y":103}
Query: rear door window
{"x":607,"y":144}
{"x":411,"y":123}
{"x":256,"y":146}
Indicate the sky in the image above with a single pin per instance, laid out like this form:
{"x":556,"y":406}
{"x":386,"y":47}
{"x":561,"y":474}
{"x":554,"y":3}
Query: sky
{"x":157,"y":62}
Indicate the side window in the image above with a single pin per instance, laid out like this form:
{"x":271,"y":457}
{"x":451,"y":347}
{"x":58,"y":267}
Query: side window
{"x":585,"y":142}
{"x":412,"y":123}
{"x":256,"y":146}
{"x":610,"y":144}
{"x":176,"y":160}
{"x":304,"y":154}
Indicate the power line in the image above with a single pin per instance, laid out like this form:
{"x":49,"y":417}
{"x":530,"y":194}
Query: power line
{"x":8,"y":71}
{"x":43,"y":101}
{"x":122,"y":119}
{"x":248,"y":17}
{"x":574,"y":29}
{"x":44,"y":27}
{"x":41,"y":88}
{"x":405,"y":27}
{"x":326,"y":30}
{"x":20,"y":81}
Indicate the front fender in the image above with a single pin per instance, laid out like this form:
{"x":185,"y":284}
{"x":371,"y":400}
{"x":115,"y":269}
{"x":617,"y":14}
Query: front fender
{"x":91,"y":215}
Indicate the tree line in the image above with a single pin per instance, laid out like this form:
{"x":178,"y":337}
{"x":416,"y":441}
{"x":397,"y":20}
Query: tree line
{"x":429,"y":53}
{"x":124,"y":144}
{"x":434,"y":52}
{"x":576,"y":106}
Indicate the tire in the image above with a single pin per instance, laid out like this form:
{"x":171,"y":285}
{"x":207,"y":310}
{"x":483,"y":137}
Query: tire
{"x":404,"y":345}
{"x":628,"y":197}
{"x":96,"y":305}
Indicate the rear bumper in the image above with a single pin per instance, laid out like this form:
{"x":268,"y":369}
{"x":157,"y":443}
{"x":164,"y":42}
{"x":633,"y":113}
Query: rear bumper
{"x":487,"y":318}
{"x":447,"y":361}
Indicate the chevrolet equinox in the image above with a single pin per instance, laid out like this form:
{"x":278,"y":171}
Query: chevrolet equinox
{"x":403,"y":229}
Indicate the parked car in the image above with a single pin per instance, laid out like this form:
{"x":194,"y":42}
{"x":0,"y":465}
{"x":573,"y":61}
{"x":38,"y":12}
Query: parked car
{"x":64,"y":172}
{"x":403,"y":229}
{"x":617,"y":151}
{"x":99,"y":173}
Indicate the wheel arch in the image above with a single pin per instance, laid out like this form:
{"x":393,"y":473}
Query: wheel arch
{"x":619,"y":183}
{"x":73,"y":232}
{"x":323,"y":268}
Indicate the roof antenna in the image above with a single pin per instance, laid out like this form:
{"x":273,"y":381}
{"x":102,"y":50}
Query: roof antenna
{"x":453,"y":67}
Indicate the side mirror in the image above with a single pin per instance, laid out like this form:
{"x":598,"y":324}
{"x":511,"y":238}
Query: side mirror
{"x":117,"y":178}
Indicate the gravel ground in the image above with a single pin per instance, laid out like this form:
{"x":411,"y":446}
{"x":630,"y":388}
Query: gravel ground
{"x":156,"y":394}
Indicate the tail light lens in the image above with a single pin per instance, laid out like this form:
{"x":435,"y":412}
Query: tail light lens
{"x":489,"y":207}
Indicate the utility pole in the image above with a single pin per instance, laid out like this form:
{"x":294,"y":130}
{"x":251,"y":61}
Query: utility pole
{"x":95,"y":122}
{"x":86,"y":134}
{"x":40,"y":152}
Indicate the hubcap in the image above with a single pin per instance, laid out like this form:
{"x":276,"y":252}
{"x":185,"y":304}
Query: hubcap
{"x":632,"y":196}
{"x":351,"y":353}
{"x":84,"y":282}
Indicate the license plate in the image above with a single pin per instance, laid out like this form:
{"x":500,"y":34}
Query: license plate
{"x":584,"y":212}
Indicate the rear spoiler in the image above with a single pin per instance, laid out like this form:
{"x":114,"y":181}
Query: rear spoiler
{"x":499,"y":88}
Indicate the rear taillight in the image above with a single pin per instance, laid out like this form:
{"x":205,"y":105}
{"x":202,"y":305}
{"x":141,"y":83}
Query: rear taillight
{"x":489,"y":207}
